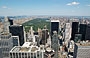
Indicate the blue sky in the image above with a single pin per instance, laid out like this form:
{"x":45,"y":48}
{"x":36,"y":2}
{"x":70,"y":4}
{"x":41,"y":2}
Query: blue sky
{"x":45,"y":7}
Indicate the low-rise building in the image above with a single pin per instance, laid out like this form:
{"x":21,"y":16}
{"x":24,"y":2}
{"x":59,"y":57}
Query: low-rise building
{"x":27,"y":50}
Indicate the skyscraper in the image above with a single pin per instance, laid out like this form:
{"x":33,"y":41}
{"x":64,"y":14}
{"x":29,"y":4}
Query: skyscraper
{"x":17,"y":30}
{"x":55,"y":43}
{"x":54,"y":26}
{"x":87,"y":37}
{"x":74,"y":29}
{"x":6,"y":43}
{"x":44,"y":35}
{"x":82,"y":30}
{"x":67,"y":32}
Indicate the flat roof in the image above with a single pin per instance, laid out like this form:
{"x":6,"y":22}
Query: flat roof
{"x":31,"y":49}
{"x":26,"y":47}
{"x":55,"y":21}
{"x":83,"y":44}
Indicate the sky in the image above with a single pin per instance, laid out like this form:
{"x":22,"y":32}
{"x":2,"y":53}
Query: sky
{"x":45,"y":7}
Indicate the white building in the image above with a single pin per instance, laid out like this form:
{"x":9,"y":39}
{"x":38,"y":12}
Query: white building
{"x":67,"y":33}
{"x":28,"y":50}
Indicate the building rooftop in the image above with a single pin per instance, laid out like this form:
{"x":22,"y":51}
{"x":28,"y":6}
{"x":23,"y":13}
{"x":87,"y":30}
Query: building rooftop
{"x":55,"y":21}
{"x":26,"y":47}
{"x":31,"y":49}
{"x":83,"y":43}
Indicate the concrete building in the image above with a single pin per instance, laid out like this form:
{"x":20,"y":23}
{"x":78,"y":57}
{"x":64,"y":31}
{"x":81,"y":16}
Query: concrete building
{"x":82,"y":50}
{"x":27,"y":50}
{"x":6,"y":43}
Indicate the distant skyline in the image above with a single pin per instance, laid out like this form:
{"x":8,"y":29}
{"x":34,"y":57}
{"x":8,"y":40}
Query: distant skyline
{"x":45,"y":7}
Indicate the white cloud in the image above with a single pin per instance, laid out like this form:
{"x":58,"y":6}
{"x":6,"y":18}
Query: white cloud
{"x":88,"y":5}
{"x":73,"y":3}
{"x":4,"y":6}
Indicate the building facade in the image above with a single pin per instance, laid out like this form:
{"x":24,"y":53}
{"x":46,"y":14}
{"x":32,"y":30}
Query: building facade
{"x":67,"y":33}
{"x":82,"y":51}
{"x":74,"y":29}
{"x":6,"y":44}
{"x":87,"y":37}
{"x":28,"y":50}
{"x":54,"y":26}
{"x":82,"y":30}
{"x":17,"y":30}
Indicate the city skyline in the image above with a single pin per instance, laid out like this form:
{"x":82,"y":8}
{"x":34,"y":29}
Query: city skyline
{"x":45,"y":7}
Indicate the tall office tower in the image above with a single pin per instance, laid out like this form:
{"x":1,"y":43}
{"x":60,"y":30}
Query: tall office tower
{"x":54,"y":26}
{"x":6,"y":25}
{"x":67,"y":33}
{"x":82,"y":30}
{"x":27,"y":50}
{"x":17,"y":30}
{"x":87,"y":37}
{"x":6,"y":44}
{"x":74,"y":29}
{"x":55,"y":43}
{"x":82,"y":50}
{"x":44,"y":35}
